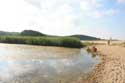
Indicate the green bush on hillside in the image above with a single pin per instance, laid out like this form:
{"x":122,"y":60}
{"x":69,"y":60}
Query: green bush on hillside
{"x":31,"y":33}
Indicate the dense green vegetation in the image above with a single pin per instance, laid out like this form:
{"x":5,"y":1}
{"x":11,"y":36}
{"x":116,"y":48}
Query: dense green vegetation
{"x":31,"y":33}
{"x":45,"y":41}
{"x":88,"y":43}
{"x":37,"y":38}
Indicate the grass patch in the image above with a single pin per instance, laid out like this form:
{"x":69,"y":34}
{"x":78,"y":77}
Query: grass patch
{"x":44,"y":41}
{"x":88,"y":43}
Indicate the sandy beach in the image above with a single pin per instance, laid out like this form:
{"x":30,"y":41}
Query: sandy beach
{"x":112,"y":67}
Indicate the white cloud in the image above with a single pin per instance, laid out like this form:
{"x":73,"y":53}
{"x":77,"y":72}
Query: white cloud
{"x":121,"y":1}
{"x":111,"y":11}
{"x":19,"y":15}
{"x":48,"y":16}
{"x":101,"y":14}
{"x":55,"y":24}
{"x":94,"y":9}
{"x":36,"y":3}
{"x":14,"y":14}
{"x":89,"y":5}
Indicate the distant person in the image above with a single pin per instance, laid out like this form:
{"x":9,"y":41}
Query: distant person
{"x":109,"y":41}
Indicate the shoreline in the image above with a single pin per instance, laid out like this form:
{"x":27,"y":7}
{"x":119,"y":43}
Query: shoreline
{"x":112,"y":67}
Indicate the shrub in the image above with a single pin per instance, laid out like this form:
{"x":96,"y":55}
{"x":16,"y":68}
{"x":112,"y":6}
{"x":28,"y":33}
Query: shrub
{"x":71,"y":42}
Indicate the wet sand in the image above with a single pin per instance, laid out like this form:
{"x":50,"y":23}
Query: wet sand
{"x":112,"y":67}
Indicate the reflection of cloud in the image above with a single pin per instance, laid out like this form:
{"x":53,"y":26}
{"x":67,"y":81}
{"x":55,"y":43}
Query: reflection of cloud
{"x":61,"y":65}
{"x":19,"y":69}
{"x":47,"y":67}
{"x":11,"y":69}
{"x":67,"y":62}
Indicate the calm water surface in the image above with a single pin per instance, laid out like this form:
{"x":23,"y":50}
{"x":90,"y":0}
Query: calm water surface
{"x":42,"y":64}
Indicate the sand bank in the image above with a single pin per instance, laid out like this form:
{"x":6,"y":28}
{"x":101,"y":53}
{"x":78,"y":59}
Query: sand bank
{"x":112,"y":67}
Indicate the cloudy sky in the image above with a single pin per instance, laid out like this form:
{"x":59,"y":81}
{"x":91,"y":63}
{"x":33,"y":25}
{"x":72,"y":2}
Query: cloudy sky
{"x":100,"y":18}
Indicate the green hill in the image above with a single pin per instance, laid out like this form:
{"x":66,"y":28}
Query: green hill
{"x":36,"y":33}
{"x":85,"y":37}
{"x":31,"y":33}
{"x":2,"y":33}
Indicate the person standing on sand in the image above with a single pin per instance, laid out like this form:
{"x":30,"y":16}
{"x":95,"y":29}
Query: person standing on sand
{"x":109,"y":41}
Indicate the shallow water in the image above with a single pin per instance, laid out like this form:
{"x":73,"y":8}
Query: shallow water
{"x":43,"y":64}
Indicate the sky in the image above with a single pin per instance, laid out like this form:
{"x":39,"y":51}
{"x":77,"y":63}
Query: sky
{"x":99,"y":18}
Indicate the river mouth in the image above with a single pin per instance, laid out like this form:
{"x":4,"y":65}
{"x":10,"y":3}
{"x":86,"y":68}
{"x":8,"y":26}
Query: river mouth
{"x":40,"y":64}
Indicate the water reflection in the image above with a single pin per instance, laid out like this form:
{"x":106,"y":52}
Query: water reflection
{"x":28,"y":64}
